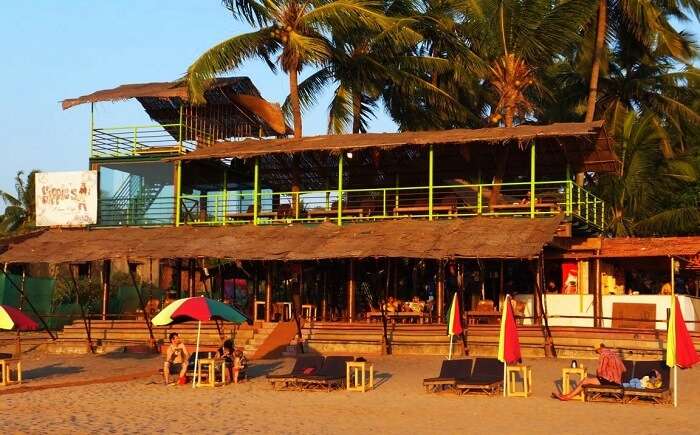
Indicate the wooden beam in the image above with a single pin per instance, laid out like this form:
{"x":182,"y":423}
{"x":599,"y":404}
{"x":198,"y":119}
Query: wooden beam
{"x":351,"y":290}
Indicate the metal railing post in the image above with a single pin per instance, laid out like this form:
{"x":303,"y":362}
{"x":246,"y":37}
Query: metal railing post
{"x":178,"y":192}
{"x":383,"y":202}
{"x":224,"y":198}
{"x":256,"y":187}
{"x":587,"y":220}
{"x":340,"y":190}
{"x":532,"y":180}
{"x":180,"y":131}
{"x":92,"y":126}
{"x":569,"y":197}
{"x":479,"y":202}
{"x":430,"y":183}
{"x":133,"y":145}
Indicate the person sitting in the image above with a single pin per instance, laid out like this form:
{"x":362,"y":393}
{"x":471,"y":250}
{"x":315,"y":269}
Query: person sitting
{"x":226,"y":352}
{"x":176,"y":359}
{"x":666,"y":289}
{"x":392,"y":305}
{"x":240,"y":364}
{"x":416,"y":305}
{"x":610,"y":369}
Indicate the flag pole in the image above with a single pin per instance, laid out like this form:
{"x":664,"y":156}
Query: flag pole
{"x":196,"y":355}
{"x":675,"y":386}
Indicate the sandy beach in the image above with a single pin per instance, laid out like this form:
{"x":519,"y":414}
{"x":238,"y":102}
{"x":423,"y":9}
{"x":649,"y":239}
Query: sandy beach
{"x":142,"y":404}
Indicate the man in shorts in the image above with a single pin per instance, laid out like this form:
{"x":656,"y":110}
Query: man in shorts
{"x":176,"y":359}
{"x":610,"y":369}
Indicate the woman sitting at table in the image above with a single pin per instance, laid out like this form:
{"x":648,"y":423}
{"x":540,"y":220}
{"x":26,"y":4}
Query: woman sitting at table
{"x":392,"y":305}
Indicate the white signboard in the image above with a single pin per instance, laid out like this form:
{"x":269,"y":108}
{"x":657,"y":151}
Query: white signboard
{"x":66,"y":198}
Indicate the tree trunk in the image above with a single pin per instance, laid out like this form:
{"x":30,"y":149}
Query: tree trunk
{"x":296,"y":113}
{"x":601,"y":27}
{"x":501,"y":163}
{"x":356,"y":112}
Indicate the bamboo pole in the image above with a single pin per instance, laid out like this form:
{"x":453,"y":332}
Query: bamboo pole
{"x":673,"y":307}
{"x":132,"y":274}
{"x":106,"y":274}
{"x":82,"y":309}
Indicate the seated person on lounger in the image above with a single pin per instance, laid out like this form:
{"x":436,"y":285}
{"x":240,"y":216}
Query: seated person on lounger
{"x":610,"y":369}
{"x":176,"y":359}
{"x":226,"y":352}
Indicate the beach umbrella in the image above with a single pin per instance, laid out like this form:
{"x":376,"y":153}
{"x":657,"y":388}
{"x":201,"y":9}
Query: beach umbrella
{"x":508,"y":341}
{"x":13,"y":319}
{"x":198,"y":309}
{"x":454,"y":323}
{"x":680,"y":350}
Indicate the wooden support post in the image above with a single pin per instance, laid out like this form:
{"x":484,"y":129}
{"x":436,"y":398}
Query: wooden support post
{"x":537,"y":297}
{"x":106,"y":274}
{"x":440,"y":293}
{"x":324,"y":298}
{"x":351,"y":290}
{"x":340,"y":190}
{"x":83,"y":314}
{"x":132,"y":273}
{"x":501,"y":286}
{"x":598,"y":298}
{"x":268,"y":293}
{"x":190,"y":278}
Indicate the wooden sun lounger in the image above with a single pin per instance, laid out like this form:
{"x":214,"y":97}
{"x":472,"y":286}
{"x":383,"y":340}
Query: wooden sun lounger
{"x":331,"y":375}
{"x":609,"y":393}
{"x":451,"y":372}
{"x":487,"y":378}
{"x":650,"y":395}
{"x":288,"y":380}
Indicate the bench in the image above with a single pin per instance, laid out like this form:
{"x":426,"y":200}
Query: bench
{"x":621,"y":394}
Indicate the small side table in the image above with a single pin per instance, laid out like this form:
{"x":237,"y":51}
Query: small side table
{"x":566,"y":374}
{"x":525,"y":373}
{"x":210,"y":364}
{"x":357,"y":371}
{"x":308,"y":311}
{"x":6,"y":370}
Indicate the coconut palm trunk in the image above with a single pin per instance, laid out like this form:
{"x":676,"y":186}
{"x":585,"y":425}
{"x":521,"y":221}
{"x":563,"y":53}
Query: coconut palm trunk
{"x":601,"y":27}
{"x":356,"y":112}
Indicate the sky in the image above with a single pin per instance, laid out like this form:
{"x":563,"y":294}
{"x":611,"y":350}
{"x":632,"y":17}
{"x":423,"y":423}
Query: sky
{"x":57,"y":49}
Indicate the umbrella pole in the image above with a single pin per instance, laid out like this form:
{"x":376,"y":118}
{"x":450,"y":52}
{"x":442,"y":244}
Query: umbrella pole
{"x":675,"y":386}
{"x":196,"y":355}
{"x":505,"y":378}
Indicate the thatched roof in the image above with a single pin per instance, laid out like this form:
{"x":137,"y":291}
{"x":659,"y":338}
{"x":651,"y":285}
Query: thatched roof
{"x":480,"y":237}
{"x":650,"y":247}
{"x":162,"y":101}
{"x":586,"y":145}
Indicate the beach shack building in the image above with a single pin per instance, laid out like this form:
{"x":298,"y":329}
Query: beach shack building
{"x":328,"y":227}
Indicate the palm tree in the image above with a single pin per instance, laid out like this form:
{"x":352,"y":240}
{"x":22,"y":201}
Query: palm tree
{"x":644,"y":23}
{"x":645,"y":198}
{"x":20,"y":209}
{"x":293,"y":30}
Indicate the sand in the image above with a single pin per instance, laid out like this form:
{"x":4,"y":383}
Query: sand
{"x":397,"y":405}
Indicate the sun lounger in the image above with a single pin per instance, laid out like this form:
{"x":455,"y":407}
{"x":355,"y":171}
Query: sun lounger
{"x":486,"y":378}
{"x":330,"y":375}
{"x":609,"y":393}
{"x":302,"y":364}
{"x":451,"y":372}
{"x":650,"y":395}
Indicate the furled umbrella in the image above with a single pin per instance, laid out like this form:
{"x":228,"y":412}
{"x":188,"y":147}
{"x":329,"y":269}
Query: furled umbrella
{"x":13,"y":319}
{"x":508,"y":341}
{"x":454,"y":321}
{"x":199,"y":309}
{"x":680,"y":350}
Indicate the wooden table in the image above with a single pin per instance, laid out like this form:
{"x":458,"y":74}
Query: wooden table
{"x":525,"y":373}
{"x":210,"y":364}
{"x":357,"y":371}
{"x":6,"y":370}
{"x":473,"y":317}
{"x":566,"y":374}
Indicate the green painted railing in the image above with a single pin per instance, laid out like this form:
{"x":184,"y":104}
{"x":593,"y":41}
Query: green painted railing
{"x":137,"y":211}
{"x":139,"y":140}
{"x":547,"y":198}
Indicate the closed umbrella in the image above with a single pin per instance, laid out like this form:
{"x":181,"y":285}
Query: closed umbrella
{"x":508,"y":341}
{"x":199,"y":309}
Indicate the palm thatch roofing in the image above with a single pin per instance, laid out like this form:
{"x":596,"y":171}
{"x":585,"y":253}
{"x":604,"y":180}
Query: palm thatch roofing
{"x":586,"y":145}
{"x":630,"y":247}
{"x":162,"y":102}
{"x":480,"y":237}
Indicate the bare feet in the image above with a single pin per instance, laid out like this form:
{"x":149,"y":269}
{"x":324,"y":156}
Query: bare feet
{"x":559,"y":397}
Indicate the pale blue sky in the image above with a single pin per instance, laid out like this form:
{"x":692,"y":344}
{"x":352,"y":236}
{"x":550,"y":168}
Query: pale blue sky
{"x":53,"y":49}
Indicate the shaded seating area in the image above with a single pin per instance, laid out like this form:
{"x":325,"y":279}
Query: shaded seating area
{"x":485,"y":377}
{"x":621,"y":394}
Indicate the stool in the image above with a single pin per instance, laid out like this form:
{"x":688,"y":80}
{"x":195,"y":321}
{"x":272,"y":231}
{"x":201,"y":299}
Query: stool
{"x":566,"y":374}
{"x":6,"y":370}
{"x":308,"y":311}
{"x":526,"y":375}
{"x":210,"y":364}
{"x":359,"y":371}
